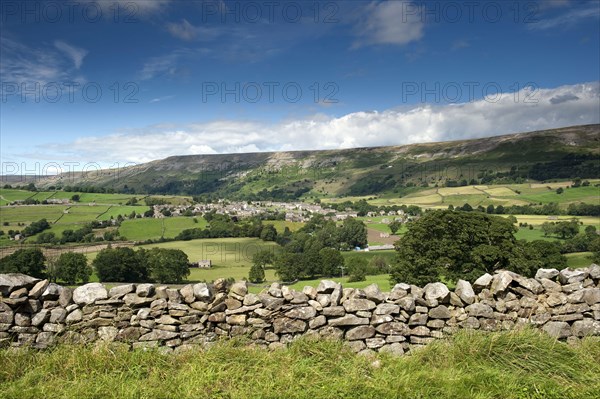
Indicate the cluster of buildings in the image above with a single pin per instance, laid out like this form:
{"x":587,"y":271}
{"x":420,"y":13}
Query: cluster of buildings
{"x":294,"y":211}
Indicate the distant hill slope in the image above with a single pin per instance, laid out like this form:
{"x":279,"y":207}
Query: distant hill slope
{"x":542,"y":155}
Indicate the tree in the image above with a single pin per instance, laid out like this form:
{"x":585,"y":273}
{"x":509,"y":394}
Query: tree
{"x":259,"y":261}
{"x":121,"y":265}
{"x":357,"y":269}
{"x":28,"y":261}
{"x":595,"y":248}
{"x":72,"y":267}
{"x":167,"y":265}
{"x":331,"y":260}
{"x":378,"y":265}
{"x":256,"y":274}
{"x":353,"y":232}
{"x":75,"y":198}
{"x":567,"y":229}
{"x":36,"y":227}
{"x":394,"y":226}
{"x":453,"y":245}
{"x":548,"y":228}
{"x":268,"y":233}
{"x":288,"y":266}
{"x":490,"y":209}
{"x":559,"y":190}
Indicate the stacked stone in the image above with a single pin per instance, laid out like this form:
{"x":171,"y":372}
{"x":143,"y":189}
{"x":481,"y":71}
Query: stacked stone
{"x":33,"y":312}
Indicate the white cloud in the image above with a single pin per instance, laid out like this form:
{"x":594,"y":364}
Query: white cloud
{"x":160,"y":66}
{"x":24,"y":64}
{"x":186,"y":31}
{"x":546,"y":4}
{"x":133,"y":8}
{"x":159,"y":99}
{"x":390,"y":22}
{"x":510,"y":113}
{"x":76,"y":54}
{"x":568,"y":19}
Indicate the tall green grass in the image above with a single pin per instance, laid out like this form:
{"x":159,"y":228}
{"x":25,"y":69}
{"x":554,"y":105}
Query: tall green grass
{"x":525,"y":364}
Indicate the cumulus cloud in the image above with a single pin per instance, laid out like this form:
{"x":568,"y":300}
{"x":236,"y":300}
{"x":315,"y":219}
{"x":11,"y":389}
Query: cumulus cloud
{"x":390,"y":22}
{"x":507,"y":113}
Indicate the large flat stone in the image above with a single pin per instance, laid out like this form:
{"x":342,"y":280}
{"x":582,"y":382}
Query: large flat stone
{"x":13,"y":281}
{"x":89,"y":293}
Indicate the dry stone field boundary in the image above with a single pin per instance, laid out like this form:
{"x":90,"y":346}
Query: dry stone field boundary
{"x":565,"y":304}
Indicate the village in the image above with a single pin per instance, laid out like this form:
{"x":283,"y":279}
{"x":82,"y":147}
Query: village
{"x":289,"y":211}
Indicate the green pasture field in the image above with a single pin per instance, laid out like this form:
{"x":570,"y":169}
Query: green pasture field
{"x":466,"y":190}
{"x":231,"y":257}
{"x":537,"y":220}
{"x":151,"y":228}
{"x":123,"y":210}
{"x":590,"y":195}
{"x":531,"y":235}
{"x":504,"y":194}
{"x":280,"y":225}
{"x":382,"y":280}
{"x":15,"y":195}
{"x":29,"y":213}
{"x":223,"y":252}
{"x":82,"y":214}
{"x":578,"y":260}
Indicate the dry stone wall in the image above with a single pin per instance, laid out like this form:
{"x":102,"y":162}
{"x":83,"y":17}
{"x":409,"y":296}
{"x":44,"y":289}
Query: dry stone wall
{"x":33,"y":312}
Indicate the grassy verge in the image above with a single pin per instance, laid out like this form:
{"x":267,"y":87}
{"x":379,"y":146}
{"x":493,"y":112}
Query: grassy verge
{"x":526,"y":364}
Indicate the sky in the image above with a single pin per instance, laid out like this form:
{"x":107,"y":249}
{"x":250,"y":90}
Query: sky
{"x":120,"y":82}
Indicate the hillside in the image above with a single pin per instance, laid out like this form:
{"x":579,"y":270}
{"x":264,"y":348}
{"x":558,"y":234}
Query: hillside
{"x":542,"y":155}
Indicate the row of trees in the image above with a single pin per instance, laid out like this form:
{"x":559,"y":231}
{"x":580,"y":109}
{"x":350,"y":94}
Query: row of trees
{"x":69,"y":267}
{"x":565,"y":229}
{"x":312,"y":251}
{"x":123,"y":264}
{"x":111,"y":264}
{"x":551,"y":208}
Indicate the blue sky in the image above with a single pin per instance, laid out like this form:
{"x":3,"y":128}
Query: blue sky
{"x":117,"y":81}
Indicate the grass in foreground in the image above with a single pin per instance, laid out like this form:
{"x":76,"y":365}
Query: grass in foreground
{"x":526,"y":364}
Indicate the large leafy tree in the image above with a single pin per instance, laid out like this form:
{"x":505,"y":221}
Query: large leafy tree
{"x":167,"y":265}
{"x":289,"y":266}
{"x":259,"y":260}
{"x":121,"y":265}
{"x":72,"y":267}
{"x":353,"y":232}
{"x":28,"y":261}
{"x":453,"y":245}
{"x":331,"y":260}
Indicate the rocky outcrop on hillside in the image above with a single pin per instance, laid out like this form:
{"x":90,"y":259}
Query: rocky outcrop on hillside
{"x":565,"y":304}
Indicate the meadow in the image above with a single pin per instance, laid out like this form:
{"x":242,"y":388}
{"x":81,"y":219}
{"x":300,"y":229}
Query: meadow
{"x":524,"y":364}
{"x":150,"y":228}
{"x":231,"y":257}
{"x":484,"y":195}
